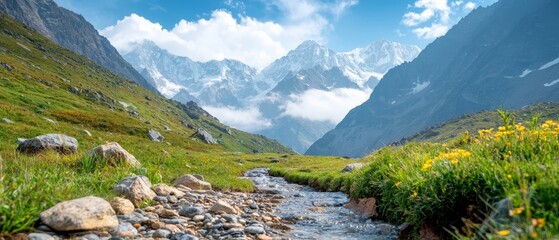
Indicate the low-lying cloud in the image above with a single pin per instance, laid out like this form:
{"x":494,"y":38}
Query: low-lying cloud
{"x":321,"y":105}
{"x":248,"y":119}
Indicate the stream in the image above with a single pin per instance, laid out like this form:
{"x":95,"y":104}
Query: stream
{"x":318,"y":215}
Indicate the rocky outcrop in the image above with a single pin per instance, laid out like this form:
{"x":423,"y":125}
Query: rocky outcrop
{"x":137,"y":189}
{"x":205,"y":136}
{"x":155,"y":136}
{"x":192,"y":182}
{"x":83,"y":214}
{"x":58,"y":142}
{"x":114,"y":154}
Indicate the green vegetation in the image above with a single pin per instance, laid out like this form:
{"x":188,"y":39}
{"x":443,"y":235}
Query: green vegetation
{"x":481,"y":120}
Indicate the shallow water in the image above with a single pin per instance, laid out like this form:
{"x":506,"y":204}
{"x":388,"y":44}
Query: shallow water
{"x":319,"y":215}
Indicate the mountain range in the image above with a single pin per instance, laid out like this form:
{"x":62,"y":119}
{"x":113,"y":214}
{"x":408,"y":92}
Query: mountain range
{"x":472,"y":68}
{"x":232,"y":84}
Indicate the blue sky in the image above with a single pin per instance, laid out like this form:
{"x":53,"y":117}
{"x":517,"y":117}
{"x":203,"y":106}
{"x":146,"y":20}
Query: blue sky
{"x":259,"y":31}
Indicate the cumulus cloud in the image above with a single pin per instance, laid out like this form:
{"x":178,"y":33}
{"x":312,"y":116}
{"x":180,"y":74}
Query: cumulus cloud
{"x":320,"y":105}
{"x":249,"y":119}
{"x":469,"y":6}
{"x":256,"y":43}
{"x":434,"y":16}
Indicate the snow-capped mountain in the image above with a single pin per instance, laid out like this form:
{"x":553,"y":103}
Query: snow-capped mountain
{"x":232,"y":84}
{"x":359,"y":65}
{"x":217,"y":83}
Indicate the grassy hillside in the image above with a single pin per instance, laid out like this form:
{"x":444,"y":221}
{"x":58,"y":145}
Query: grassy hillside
{"x":482,"y":120}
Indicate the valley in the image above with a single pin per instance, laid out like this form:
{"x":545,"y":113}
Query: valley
{"x":456,"y":140}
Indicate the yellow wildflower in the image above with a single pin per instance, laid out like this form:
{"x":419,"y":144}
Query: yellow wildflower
{"x":509,"y":144}
{"x":516,"y":211}
{"x":519,"y":127}
{"x":505,"y":232}
{"x":509,"y":176}
{"x":398,"y":184}
{"x":506,"y":156}
{"x":501,"y":128}
{"x":540,"y":222}
{"x":454,"y":161}
{"x":414,"y":194}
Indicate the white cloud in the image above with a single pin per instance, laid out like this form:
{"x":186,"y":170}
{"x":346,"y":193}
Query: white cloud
{"x":320,"y":105}
{"x":413,"y":19}
{"x":246,"y":39}
{"x":433,"y":18}
{"x":433,"y":31}
{"x":249,"y":119}
{"x":469,"y":6}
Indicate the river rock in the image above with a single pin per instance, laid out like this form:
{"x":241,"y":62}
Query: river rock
{"x":8,"y":121}
{"x":58,"y":142}
{"x":136,"y":189}
{"x":114,"y":154}
{"x":122,"y":206}
{"x":205,"y":136}
{"x":354,"y":166}
{"x":39,"y":236}
{"x":82,"y":214}
{"x":255,"y":230}
{"x":166,"y":213}
{"x":183,"y":236}
{"x":162,"y":233}
{"x":162,"y":189}
{"x":191,"y":211}
{"x":126,"y":230}
{"x":155,"y":136}
{"x":222,"y":206}
{"x":192,"y":182}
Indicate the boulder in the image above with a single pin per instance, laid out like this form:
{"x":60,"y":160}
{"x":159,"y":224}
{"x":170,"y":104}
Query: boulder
{"x":136,"y":189}
{"x":155,"y":136}
{"x":114,"y":154}
{"x":222,"y":206}
{"x":354,"y":166}
{"x":122,"y":206}
{"x":82,"y":214}
{"x":192,"y":182}
{"x":58,"y":142}
{"x":8,"y":121}
{"x":162,"y":189}
{"x":205,"y":136}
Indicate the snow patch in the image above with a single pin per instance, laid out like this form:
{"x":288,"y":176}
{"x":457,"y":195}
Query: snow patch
{"x":419,"y":86}
{"x":549,"y":64}
{"x":551,"y":83}
{"x":526,"y":72}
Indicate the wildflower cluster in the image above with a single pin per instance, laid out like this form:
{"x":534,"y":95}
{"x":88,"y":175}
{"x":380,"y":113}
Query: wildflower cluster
{"x":453,"y":157}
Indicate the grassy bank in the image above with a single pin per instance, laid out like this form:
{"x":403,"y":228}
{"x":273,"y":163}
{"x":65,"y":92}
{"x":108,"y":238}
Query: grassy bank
{"x":451,"y":186}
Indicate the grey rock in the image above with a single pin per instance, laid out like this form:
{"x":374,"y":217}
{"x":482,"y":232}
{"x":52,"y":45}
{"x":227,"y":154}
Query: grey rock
{"x":354,"y":166}
{"x":122,"y":206}
{"x":114,"y":154}
{"x":162,"y":189}
{"x":91,"y":237}
{"x":255,"y":230}
{"x":205,"y":136}
{"x":136,"y":189}
{"x":125,"y":229}
{"x":191,"y":211}
{"x":183,"y":236}
{"x":8,"y":121}
{"x":82,"y":214}
{"x":162,"y":233}
{"x":58,"y":142}
{"x":40,"y":236}
{"x":160,"y":199}
{"x":155,"y":136}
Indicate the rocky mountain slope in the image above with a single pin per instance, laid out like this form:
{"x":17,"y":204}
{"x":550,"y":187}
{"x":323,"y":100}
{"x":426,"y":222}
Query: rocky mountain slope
{"x":71,"y":31}
{"x":46,"y":88}
{"x":503,"y":55}
{"x":230,"y":83}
